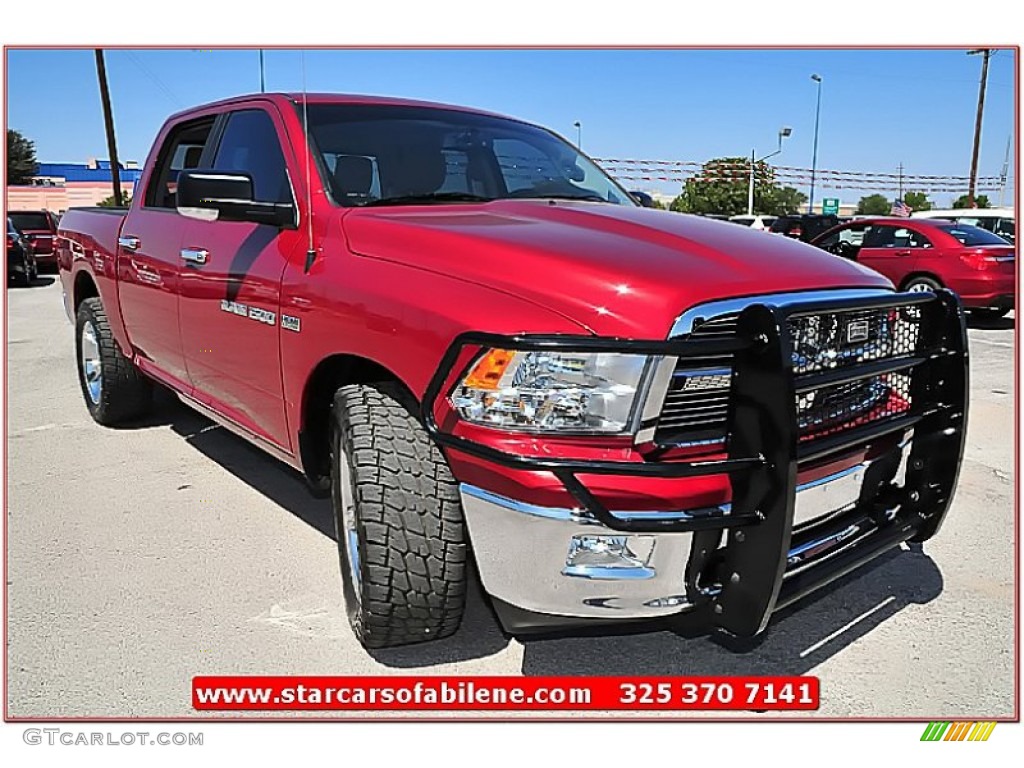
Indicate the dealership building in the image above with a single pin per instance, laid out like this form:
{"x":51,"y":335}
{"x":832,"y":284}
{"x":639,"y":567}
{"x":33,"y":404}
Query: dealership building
{"x":59,"y":186}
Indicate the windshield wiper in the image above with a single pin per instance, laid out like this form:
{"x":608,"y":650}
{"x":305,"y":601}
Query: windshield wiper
{"x":430,"y":197}
{"x":554,"y":196}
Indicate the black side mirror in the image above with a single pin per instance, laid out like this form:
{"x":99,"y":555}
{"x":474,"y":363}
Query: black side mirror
{"x":574,"y":173}
{"x":228,"y":196}
{"x":643,"y":198}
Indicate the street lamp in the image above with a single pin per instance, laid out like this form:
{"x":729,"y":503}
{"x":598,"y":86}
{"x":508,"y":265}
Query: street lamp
{"x":814,"y":157}
{"x":784,"y":133}
{"x":579,"y":135}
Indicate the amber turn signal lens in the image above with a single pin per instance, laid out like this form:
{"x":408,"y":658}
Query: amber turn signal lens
{"x":489,"y":369}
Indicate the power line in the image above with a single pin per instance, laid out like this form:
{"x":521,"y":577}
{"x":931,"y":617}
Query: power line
{"x":156,"y":80}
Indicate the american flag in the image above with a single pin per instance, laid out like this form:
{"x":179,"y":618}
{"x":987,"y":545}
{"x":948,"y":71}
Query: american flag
{"x":899,"y":208}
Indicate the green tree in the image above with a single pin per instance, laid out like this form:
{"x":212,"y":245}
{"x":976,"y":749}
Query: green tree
{"x":918,"y":201}
{"x":722,"y":186}
{"x":786,"y":200}
{"x":874,"y":205}
{"x":108,"y":202}
{"x":21,"y":159}
{"x":981,"y":200}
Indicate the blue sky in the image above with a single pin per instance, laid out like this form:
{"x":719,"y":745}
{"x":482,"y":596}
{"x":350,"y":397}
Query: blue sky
{"x":879,"y":108}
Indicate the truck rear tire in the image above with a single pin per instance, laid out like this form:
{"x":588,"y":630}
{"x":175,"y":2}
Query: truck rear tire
{"x":115,"y":391}
{"x":398,"y":518}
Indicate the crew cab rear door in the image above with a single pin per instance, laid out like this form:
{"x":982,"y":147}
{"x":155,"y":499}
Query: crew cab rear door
{"x":231,"y":282}
{"x":149,"y":256}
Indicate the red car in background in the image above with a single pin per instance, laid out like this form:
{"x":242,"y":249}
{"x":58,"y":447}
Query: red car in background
{"x":40,"y":228}
{"x":924,"y":254}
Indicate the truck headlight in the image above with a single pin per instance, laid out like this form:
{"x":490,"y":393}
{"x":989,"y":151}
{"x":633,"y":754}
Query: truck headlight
{"x":551,"y":391}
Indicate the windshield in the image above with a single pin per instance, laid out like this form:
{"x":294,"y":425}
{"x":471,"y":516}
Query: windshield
{"x":970,"y":235}
{"x":25,"y":221}
{"x":395,"y":155}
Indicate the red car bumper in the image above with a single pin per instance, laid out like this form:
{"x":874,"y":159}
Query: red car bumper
{"x":984,"y":289}
{"x":44,"y":247}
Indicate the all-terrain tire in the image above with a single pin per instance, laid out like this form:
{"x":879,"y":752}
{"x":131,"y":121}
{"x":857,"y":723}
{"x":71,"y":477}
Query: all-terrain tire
{"x":402,"y":542}
{"x":124,"y":393}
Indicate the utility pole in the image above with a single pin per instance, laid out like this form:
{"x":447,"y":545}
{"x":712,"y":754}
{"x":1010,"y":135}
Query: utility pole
{"x":986,"y":54}
{"x":263,"y":84}
{"x":108,"y":121}
{"x":900,"y":170}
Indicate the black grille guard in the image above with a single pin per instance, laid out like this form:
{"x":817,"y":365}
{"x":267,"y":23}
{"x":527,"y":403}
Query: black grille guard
{"x":764,"y":449}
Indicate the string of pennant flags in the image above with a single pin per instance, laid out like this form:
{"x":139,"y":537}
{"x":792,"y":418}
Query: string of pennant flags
{"x":745,"y":166}
{"x":822,"y":183}
{"x":682,"y":171}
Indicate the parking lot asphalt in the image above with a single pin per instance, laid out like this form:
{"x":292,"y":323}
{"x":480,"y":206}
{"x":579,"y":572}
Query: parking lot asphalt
{"x":138,"y":558}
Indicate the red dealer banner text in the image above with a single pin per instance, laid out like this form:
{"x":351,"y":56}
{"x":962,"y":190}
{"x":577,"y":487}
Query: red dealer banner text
{"x":505,"y":693}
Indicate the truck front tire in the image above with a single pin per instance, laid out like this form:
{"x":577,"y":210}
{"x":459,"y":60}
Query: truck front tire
{"x":398,"y":518}
{"x":114,"y":390}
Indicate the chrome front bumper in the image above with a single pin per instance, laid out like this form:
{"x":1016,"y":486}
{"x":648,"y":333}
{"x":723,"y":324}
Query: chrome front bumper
{"x":563,"y":562}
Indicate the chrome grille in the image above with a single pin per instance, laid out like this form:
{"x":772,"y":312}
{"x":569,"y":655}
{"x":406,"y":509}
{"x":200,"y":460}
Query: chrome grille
{"x":693,"y":414}
{"x":696,"y":407}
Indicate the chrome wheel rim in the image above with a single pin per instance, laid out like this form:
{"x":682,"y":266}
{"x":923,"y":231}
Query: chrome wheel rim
{"x":349,"y":532}
{"x":92,"y":371}
{"x":918,"y":288}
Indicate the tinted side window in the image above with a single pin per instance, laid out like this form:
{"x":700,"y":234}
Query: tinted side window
{"x":908,"y":238}
{"x":853,"y":235}
{"x":250,"y":145}
{"x":880,"y":237}
{"x":1006,"y":228}
{"x":181,"y":151}
{"x":850,"y":235}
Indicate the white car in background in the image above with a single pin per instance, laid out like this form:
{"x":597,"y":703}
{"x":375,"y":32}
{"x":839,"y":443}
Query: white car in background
{"x":755,"y":221}
{"x":998,"y":221}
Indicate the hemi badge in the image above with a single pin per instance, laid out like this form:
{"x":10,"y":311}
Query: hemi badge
{"x":290,"y":323}
{"x":858,"y":330}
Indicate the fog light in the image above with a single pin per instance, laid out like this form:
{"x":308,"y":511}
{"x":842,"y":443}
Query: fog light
{"x":610,"y":557}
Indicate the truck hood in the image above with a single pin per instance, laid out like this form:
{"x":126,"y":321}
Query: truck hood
{"x":616,"y":270}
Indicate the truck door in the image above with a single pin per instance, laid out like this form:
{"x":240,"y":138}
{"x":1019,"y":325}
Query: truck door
{"x":231,"y":284}
{"x":149,"y":260}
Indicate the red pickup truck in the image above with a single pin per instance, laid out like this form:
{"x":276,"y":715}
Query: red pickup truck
{"x":481,"y":347}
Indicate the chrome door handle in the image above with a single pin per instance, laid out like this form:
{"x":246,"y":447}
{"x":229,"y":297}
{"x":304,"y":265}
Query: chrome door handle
{"x":195,"y":256}
{"x":129,"y":242}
